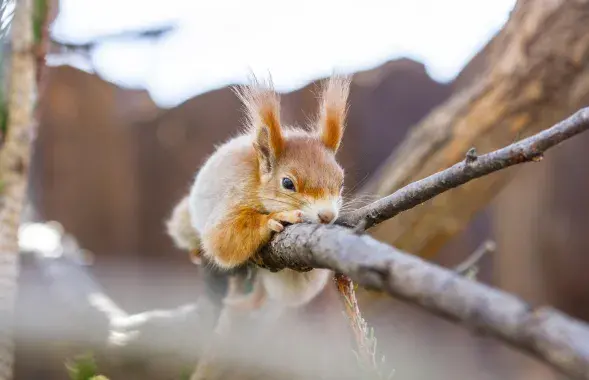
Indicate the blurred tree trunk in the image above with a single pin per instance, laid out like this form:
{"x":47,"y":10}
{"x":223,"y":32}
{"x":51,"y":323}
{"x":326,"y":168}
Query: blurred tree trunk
{"x":14,"y":162}
{"x":536,"y":73}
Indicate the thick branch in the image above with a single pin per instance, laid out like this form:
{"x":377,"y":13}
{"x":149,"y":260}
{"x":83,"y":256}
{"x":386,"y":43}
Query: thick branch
{"x":545,"y":333}
{"x":472,"y":167}
{"x":551,"y":336}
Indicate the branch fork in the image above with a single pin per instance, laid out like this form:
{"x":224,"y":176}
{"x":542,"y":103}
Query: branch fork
{"x":554,"y":338}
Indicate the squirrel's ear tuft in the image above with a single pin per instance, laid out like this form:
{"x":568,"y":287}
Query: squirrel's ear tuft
{"x":262,"y":106}
{"x":333,"y":110}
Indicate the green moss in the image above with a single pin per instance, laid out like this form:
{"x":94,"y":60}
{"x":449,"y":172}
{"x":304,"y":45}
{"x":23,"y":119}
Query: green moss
{"x":39,"y":16}
{"x":3,"y":120}
{"x":186,"y":373}
{"x":83,"y":367}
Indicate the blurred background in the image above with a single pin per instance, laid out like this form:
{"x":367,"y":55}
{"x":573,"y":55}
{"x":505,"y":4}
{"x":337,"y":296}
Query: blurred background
{"x":135,"y":97}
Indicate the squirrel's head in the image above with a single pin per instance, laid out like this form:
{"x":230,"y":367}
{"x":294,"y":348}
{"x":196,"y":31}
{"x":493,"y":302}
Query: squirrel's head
{"x":297,"y":167}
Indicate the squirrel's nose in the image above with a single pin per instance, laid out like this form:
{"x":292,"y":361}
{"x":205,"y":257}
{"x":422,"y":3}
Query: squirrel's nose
{"x":326,"y":216}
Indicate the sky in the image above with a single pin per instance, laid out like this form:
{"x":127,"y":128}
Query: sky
{"x":216,"y":43}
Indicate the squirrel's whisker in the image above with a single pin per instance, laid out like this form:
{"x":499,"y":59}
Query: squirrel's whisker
{"x":298,"y":200}
{"x":280,"y":201}
{"x":358,"y":184}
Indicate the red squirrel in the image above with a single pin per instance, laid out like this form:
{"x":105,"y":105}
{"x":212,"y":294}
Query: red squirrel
{"x":267,"y":176}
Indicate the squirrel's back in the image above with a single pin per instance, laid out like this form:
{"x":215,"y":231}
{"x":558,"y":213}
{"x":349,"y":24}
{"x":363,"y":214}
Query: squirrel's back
{"x":228,"y":174}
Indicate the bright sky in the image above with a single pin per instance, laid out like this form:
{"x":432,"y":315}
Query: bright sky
{"x":218,"y":42}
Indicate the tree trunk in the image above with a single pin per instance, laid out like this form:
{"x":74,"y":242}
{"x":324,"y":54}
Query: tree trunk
{"x":14,"y":162}
{"x":536,"y":73}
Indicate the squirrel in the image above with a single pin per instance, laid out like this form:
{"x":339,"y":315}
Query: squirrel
{"x":256,"y":182}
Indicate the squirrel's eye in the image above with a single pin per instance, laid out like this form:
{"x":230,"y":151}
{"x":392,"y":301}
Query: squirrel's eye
{"x":288,"y":184}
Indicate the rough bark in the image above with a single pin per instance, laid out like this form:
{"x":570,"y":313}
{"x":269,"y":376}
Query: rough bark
{"x":553,"y":337}
{"x":536,"y":73}
{"x":14,"y":162}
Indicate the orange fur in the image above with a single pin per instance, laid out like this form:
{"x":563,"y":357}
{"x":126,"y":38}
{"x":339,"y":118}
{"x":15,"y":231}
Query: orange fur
{"x":262,"y":106}
{"x":238,"y":237}
{"x":238,"y":201}
{"x":332,"y":114}
{"x":303,"y":154}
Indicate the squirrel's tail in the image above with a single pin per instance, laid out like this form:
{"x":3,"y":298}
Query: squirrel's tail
{"x":179,"y":227}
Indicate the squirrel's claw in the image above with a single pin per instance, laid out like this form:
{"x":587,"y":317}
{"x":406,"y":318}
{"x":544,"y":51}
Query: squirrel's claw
{"x":276,"y":219}
{"x":275,"y":225}
{"x":292,"y":217}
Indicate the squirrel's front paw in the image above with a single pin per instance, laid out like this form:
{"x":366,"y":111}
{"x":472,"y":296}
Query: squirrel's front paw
{"x":276,"y":219}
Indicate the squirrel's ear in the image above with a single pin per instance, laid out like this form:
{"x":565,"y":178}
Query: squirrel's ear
{"x":262,"y":105}
{"x":333,"y":110}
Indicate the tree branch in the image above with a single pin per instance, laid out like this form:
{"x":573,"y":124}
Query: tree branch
{"x":472,"y":167}
{"x":533,"y":73}
{"x":545,"y":333}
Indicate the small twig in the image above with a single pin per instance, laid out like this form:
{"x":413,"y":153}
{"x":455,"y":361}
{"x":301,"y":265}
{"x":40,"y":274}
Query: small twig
{"x":472,"y":167}
{"x":363,"y":335}
{"x":357,"y":323}
{"x":472,"y":261}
